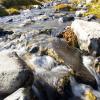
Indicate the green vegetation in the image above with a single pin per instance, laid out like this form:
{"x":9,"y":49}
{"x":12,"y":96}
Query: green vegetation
{"x":94,"y":8}
{"x":12,"y":11}
{"x":18,"y":3}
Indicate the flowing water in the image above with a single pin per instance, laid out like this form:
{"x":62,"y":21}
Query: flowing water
{"x":80,"y":89}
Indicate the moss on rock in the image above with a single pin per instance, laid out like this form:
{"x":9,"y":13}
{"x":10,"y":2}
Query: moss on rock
{"x":70,"y":37}
{"x":12,"y":11}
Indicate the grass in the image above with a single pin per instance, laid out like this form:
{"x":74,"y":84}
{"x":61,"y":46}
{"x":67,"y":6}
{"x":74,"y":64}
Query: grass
{"x":93,"y":8}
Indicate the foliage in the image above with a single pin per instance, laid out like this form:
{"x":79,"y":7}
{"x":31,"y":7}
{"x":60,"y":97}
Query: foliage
{"x":93,"y":8}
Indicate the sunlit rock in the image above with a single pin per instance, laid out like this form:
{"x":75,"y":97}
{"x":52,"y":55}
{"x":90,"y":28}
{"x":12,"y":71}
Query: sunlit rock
{"x":88,"y":35}
{"x":13,"y":73}
{"x":72,"y":56}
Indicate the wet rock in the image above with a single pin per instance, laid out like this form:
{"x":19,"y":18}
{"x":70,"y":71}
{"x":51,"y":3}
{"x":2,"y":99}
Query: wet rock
{"x":4,"y":32}
{"x":54,"y":82}
{"x":78,"y":89}
{"x":73,"y":57}
{"x":88,"y":35}
{"x":70,"y":37}
{"x":20,"y":94}
{"x":14,"y":73}
{"x":62,"y":19}
{"x":45,"y":62}
{"x":34,"y":49}
{"x":66,"y":18}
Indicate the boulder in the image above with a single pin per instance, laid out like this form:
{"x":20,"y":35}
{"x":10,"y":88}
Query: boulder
{"x":88,"y":35}
{"x":45,"y":62}
{"x":73,"y":57}
{"x":51,"y":85}
{"x":20,"y":94}
{"x":14,"y":73}
{"x":66,"y":18}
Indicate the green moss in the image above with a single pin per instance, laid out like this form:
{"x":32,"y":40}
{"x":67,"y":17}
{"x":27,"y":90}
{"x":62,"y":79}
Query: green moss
{"x":93,"y":8}
{"x":12,"y":11}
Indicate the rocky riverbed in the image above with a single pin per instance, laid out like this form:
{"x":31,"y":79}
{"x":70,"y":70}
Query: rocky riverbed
{"x":49,"y":54}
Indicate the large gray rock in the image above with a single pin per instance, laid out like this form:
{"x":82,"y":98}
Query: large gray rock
{"x":14,"y":73}
{"x":73,"y":57}
{"x":51,"y":85}
{"x":88,"y":35}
